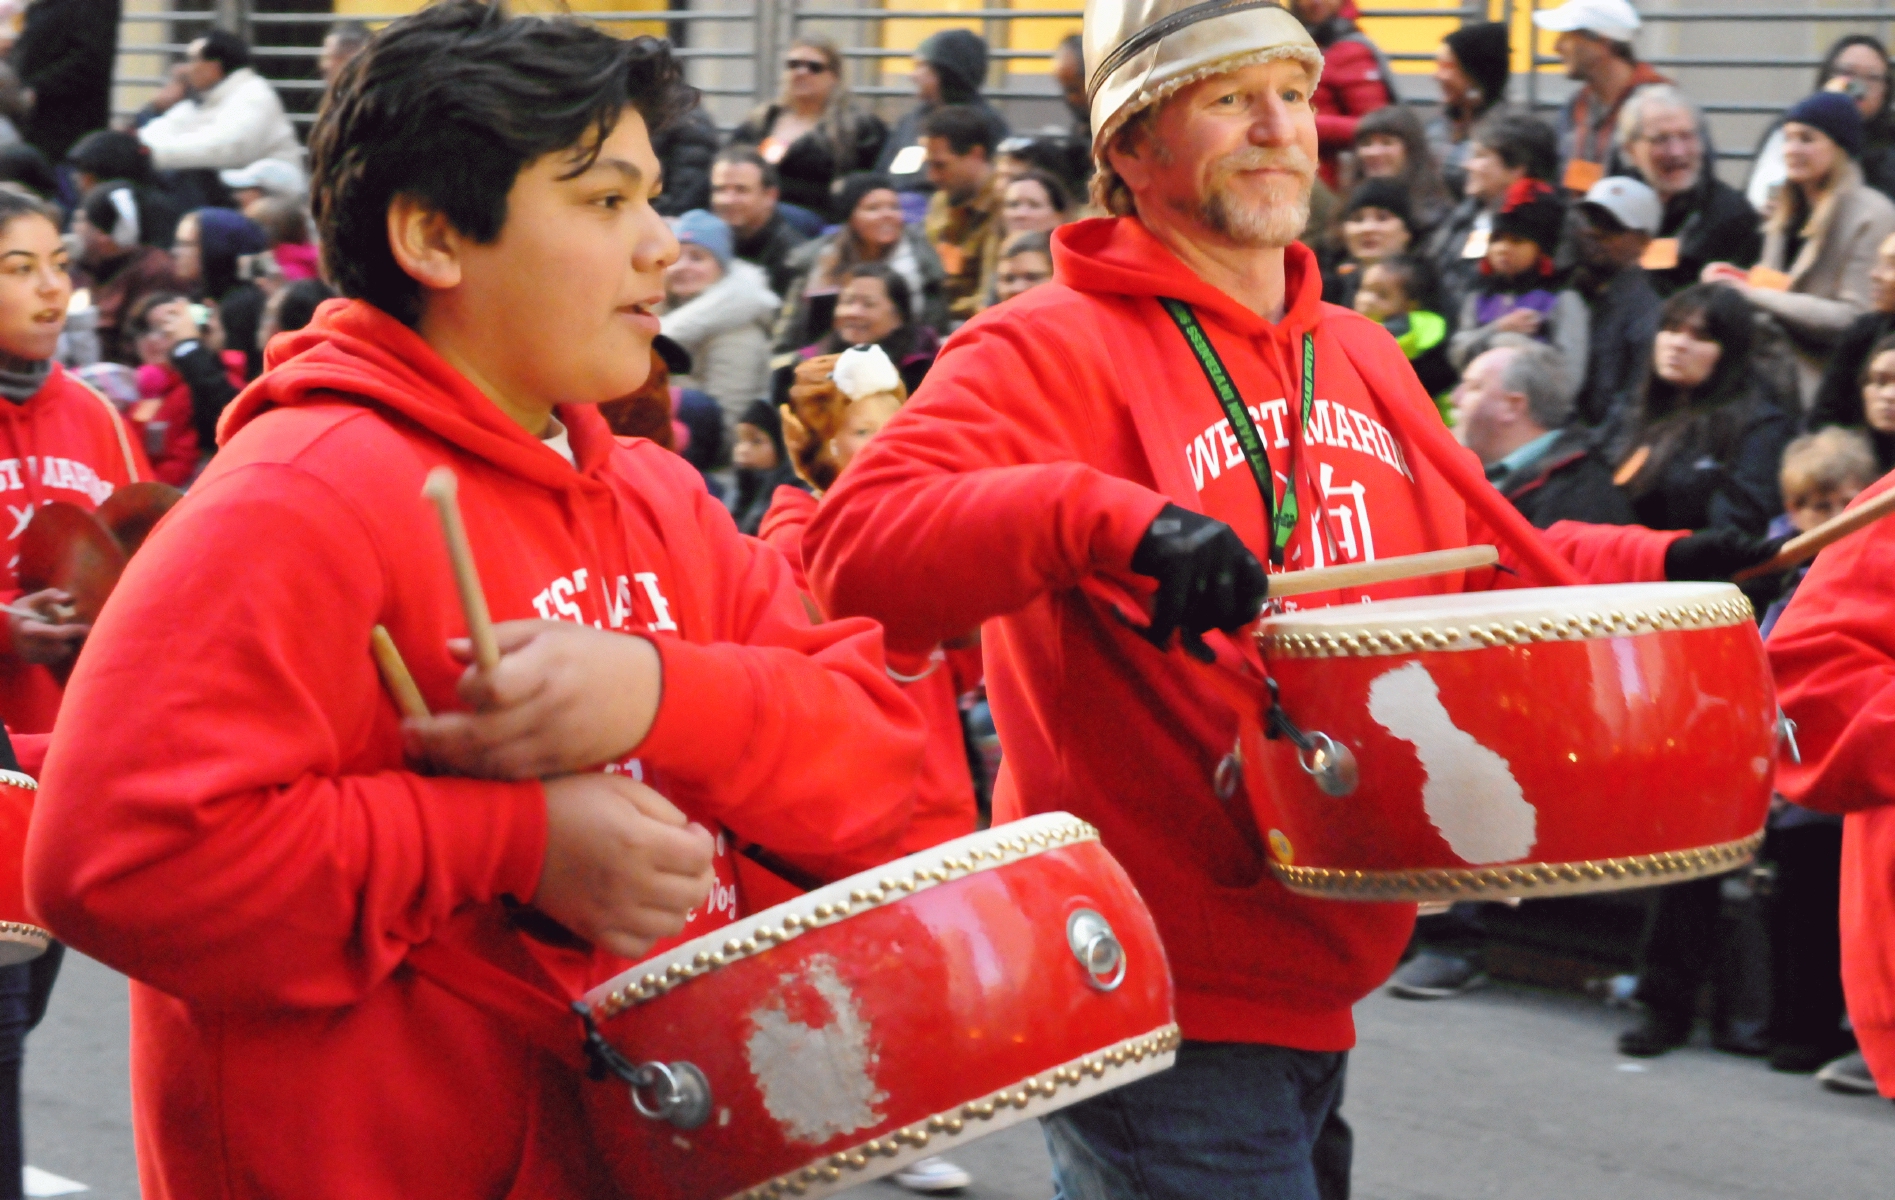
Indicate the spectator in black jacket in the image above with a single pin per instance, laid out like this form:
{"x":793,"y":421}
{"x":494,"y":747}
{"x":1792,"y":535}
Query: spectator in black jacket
{"x":1615,"y":224}
{"x":813,"y":132}
{"x":64,"y":58}
{"x":1838,"y":398}
{"x":1663,"y":138}
{"x":1701,"y":446}
{"x":1511,"y":411}
{"x":685,"y":148}
{"x":744,"y":194}
{"x":111,"y":154}
{"x":949,"y":69}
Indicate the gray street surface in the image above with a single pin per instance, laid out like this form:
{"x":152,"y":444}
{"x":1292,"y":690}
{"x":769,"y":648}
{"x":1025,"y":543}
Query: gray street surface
{"x":1504,"y":1093}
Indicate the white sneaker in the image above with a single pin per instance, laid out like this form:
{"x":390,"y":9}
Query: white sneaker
{"x":933,"y":1175}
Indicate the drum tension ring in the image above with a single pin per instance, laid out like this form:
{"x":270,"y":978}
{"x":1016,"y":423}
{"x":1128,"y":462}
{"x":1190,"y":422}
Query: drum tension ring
{"x":1325,"y":760}
{"x":682,"y":1095}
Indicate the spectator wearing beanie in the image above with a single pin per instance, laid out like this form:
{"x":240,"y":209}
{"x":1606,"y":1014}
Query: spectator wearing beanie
{"x":1471,"y":70}
{"x":720,"y":309}
{"x":949,"y":69}
{"x":1519,"y":289}
{"x":1374,"y":224}
{"x":1822,"y":236}
{"x":761,"y":463}
{"x":208,"y":257}
{"x":1857,"y":66}
{"x":108,"y":154}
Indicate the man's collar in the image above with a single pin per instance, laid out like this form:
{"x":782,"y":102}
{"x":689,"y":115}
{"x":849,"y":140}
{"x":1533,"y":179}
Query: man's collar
{"x":1523,"y":456}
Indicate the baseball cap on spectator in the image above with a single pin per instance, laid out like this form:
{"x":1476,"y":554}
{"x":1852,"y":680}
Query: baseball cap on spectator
{"x":272,"y":176}
{"x":1836,"y":115}
{"x":1629,"y":203}
{"x":701,"y":227}
{"x":1614,"y":20}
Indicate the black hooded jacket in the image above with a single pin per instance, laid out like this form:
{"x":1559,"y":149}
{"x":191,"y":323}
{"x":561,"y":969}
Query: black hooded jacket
{"x":959,"y":58}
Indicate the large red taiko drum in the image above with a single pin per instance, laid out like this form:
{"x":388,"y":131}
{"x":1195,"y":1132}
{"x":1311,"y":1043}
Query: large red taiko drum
{"x":879,"y":1020}
{"x":1532,"y":742}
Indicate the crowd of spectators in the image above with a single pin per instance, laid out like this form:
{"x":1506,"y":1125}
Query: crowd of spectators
{"x":1620,"y":335}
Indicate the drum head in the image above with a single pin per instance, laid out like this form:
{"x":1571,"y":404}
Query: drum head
{"x":132,"y":510}
{"x":66,"y":547}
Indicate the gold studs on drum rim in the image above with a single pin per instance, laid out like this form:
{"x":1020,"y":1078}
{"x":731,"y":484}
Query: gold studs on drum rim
{"x":916,"y":1136}
{"x":655,"y":983}
{"x":1520,"y":879}
{"x":1567,"y":627}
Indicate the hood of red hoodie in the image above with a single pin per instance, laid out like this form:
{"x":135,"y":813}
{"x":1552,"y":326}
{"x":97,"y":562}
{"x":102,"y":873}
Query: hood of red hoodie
{"x":1119,"y":256}
{"x":354,"y":353}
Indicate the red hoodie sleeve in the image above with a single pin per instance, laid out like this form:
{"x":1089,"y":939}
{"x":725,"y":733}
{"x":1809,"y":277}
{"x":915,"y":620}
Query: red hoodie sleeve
{"x":790,"y":512}
{"x":198,"y":826}
{"x":1833,"y":651}
{"x":976,"y":498}
{"x":790,"y":735}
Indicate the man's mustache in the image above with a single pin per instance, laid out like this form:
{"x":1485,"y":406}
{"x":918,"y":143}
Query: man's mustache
{"x":1267,"y":158}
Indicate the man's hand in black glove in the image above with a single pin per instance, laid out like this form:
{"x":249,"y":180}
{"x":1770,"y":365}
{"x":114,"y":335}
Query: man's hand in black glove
{"x":1207,"y":579}
{"x":1718,"y":553}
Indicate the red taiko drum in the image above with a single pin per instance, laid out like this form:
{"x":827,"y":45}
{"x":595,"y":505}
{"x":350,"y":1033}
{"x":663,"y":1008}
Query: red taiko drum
{"x":1535,"y":742}
{"x":899,"y":1013}
{"x":20,"y":939}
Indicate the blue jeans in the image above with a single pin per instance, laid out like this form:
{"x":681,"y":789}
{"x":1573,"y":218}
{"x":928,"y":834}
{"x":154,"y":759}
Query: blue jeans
{"x":1231,"y":1121}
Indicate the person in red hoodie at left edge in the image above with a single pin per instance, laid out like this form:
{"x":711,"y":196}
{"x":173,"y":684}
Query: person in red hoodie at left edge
{"x":62,"y":441}
{"x":324,"y":911}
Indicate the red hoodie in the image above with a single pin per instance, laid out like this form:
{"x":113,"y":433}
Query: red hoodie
{"x":66,"y":443}
{"x":297,"y":907}
{"x":1833,"y":651}
{"x":935,"y":681}
{"x":1050,"y":432}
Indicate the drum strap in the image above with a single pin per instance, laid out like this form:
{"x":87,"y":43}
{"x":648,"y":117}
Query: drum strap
{"x":1279,"y":516}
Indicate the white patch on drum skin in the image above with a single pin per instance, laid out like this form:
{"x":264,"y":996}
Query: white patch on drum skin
{"x":1468,"y":791}
{"x":816,"y":1082}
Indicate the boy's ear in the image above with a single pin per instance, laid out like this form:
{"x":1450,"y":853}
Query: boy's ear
{"x":424,"y":242}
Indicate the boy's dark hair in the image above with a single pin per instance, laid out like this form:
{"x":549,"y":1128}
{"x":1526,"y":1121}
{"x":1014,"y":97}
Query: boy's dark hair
{"x":963,"y":127}
{"x":448,"y":106}
{"x":17,"y":202}
{"x":747,"y":156}
{"x":1420,"y":281}
{"x":1519,"y":140}
{"x":226,"y":49}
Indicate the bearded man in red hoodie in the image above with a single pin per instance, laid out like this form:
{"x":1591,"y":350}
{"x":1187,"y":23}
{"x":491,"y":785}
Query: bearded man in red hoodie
{"x":1176,"y":410}
{"x":353,"y":942}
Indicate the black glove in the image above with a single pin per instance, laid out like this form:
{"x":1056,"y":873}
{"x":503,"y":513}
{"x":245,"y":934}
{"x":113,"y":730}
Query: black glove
{"x":1718,"y":553}
{"x":1207,"y":579}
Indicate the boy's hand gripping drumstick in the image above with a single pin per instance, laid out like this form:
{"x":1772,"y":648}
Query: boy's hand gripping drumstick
{"x":443,"y":491}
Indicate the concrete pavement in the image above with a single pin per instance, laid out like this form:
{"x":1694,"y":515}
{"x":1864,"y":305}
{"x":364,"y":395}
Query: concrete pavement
{"x":1503,"y":1093}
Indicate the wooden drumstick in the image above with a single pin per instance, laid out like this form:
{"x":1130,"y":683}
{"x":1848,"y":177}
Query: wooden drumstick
{"x":1804,"y":546}
{"x":1406,"y":566}
{"x":401,"y":685}
{"x":444,"y":491}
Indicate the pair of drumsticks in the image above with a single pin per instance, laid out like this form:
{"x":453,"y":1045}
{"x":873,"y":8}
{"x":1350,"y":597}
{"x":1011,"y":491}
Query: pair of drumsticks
{"x":444,"y":490}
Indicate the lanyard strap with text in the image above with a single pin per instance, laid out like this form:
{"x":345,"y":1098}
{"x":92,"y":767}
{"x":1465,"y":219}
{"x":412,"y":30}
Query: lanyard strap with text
{"x":1279,"y":517}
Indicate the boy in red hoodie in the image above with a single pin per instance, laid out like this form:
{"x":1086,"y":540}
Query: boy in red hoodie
{"x":334,"y":991}
{"x":1109,"y":432}
{"x":59,"y":440}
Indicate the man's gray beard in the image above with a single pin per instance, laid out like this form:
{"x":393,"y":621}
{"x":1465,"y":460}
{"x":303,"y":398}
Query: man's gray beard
{"x":1267,"y":228}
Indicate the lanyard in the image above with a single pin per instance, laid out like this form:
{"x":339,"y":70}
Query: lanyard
{"x":1279,"y":517}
